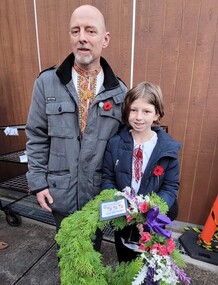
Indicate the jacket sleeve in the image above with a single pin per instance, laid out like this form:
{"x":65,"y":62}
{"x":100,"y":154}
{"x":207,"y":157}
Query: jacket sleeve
{"x":38,"y":142}
{"x":108,"y":173}
{"x":170,"y":183}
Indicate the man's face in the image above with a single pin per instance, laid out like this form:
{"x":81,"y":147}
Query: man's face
{"x":88,"y":37}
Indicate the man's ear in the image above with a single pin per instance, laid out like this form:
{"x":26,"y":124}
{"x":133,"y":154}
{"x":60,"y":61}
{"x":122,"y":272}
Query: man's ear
{"x":107,"y":38}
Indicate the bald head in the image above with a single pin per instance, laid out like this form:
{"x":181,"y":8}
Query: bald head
{"x":90,"y":11}
{"x":88,"y":36}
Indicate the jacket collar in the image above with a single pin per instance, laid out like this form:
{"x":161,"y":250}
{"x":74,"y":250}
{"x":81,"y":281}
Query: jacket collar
{"x":166,"y":146}
{"x":64,"y":72}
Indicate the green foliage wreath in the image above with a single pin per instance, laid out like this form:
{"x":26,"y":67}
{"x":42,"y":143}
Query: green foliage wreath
{"x":79,"y":263}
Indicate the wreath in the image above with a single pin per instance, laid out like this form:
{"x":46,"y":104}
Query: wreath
{"x":159,"y":262}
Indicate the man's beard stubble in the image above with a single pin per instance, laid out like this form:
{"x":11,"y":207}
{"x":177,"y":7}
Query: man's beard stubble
{"x":84,"y":60}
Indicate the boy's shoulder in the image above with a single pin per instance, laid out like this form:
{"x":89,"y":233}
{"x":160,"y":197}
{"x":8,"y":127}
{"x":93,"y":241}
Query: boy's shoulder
{"x":122,"y":135}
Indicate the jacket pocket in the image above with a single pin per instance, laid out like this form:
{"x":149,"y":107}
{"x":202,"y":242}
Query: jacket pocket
{"x":62,"y":119}
{"x":109,"y":122}
{"x":59,"y":190}
{"x":112,"y":113}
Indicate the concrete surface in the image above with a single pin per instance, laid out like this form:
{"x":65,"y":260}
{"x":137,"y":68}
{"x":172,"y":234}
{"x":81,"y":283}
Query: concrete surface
{"x":31,"y":255}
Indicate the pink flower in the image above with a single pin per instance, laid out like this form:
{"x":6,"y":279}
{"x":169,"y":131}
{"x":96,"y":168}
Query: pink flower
{"x":142,"y":247}
{"x":162,"y":250}
{"x":128,"y":218}
{"x":170,"y":245}
{"x":143,"y":207}
{"x":146,"y":237}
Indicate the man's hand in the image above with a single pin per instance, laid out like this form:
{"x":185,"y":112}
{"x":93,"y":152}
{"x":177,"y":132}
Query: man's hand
{"x":44,"y":198}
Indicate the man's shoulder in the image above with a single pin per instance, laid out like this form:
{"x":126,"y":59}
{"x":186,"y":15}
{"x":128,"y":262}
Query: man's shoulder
{"x":51,"y":68}
{"x":122,"y":84}
{"x":120,"y":80}
{"x":166,"y":139}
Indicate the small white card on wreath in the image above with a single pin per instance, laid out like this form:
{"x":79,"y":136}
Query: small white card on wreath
{"x":113,"y":209}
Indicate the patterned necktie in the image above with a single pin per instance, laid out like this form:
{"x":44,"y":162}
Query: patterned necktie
{"x":138,"y":161}
{"x":87,"y":88}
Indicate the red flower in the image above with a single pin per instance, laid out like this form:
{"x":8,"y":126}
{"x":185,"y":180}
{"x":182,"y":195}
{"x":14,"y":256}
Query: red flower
{"x":158,"y":171}
{"x":107,"y":106}
{"x":143,"y":207}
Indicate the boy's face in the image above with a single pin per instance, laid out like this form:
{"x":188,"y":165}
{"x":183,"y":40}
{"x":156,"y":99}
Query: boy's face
{"x":142,"y":115}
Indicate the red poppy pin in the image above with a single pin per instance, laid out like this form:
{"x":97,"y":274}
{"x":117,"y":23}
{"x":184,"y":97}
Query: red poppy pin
{"x":107,"y":106}
{"x":158,"y":171}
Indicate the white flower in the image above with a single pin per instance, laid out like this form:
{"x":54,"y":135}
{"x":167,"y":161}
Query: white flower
{"x":142,"y":199}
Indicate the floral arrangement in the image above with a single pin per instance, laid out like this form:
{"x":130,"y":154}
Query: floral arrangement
{"x":157,"y":247}
{"x":158,"y":262}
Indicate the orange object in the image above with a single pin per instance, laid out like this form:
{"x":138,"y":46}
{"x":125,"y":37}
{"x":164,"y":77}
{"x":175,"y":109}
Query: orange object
{"x":211,"y":224}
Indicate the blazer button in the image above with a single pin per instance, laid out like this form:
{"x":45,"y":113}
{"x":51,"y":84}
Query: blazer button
{"x":59,"y":109}
{"x":54,"y":185}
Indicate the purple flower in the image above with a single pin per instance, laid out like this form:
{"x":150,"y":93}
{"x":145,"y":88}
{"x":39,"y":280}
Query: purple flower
{"x":150,"y":277}
{"x":181,"y":274}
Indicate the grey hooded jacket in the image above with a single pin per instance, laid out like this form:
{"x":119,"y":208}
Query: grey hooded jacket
{"x":58,"y":158}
